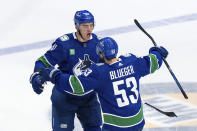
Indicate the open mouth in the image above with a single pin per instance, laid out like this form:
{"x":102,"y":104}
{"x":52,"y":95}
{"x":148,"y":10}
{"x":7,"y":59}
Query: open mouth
{"x":88,"y":35}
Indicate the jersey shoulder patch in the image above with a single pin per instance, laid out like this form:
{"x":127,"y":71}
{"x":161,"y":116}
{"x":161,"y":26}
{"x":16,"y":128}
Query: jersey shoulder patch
{"x":64,"y":38}
{"x":126,"y":55}
{"x":129,"y":55}
{"x":100,"y":64}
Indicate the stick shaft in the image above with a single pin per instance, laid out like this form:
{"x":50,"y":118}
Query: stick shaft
{"x":166,"y":63}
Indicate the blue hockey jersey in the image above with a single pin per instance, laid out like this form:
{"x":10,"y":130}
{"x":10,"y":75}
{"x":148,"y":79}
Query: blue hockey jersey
{"x":117,"y":85}
{"x":71,"y":55}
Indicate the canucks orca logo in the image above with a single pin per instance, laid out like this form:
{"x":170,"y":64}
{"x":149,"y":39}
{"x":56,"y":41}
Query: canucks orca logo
{"x":82,"y":65}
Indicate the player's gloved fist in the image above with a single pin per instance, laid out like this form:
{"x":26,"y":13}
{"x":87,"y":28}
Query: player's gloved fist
{"x":160,"y":49}
{"x":37,"y":80}
{"x":50,"y":74}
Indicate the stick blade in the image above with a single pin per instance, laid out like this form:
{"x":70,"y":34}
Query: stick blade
{"x":170,"y":114}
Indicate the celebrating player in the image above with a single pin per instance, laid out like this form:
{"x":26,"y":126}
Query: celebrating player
{"x":73,"y":53}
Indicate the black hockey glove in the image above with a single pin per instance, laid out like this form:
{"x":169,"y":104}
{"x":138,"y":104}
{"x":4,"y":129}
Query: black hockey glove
{"x":37,"y":82}
{"x":50,"y":74}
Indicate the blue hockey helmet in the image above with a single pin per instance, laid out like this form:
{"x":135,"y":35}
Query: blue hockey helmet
{"x":83,"y":16}
{"x":107,"y":47}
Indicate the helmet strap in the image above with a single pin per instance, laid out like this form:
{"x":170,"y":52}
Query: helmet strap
{"x":80,"y":34}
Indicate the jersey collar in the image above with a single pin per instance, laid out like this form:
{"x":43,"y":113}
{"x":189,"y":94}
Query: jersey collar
{"x":119,"y":60}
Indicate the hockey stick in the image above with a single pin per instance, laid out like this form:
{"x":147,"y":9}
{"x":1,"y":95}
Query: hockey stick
{"x":166,"y":63}
{"x":170,"y":114}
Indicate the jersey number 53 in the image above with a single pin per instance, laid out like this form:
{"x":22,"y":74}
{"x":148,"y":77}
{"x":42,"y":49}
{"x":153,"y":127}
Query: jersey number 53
{"x":124,"y":101}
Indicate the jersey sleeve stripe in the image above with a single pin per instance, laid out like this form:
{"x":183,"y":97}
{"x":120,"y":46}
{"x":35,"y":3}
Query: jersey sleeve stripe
{"x":119,"y":121}
{"x":154,"y":65}
{"x":76,"y":85}
{"x":44,"y":60}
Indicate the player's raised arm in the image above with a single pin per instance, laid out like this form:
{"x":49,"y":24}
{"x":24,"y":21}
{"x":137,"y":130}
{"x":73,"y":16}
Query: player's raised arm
{"x":152,"y":62}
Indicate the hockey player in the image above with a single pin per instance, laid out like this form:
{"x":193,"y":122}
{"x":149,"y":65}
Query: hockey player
{"x":116,"y":81}
{"x":73,"y":53}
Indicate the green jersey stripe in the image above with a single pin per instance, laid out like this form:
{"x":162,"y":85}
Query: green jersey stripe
{"x":123,"y":121}
{"x":154,"y":63}
{"x":76,"y":85}
{"x":44,"y":61}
